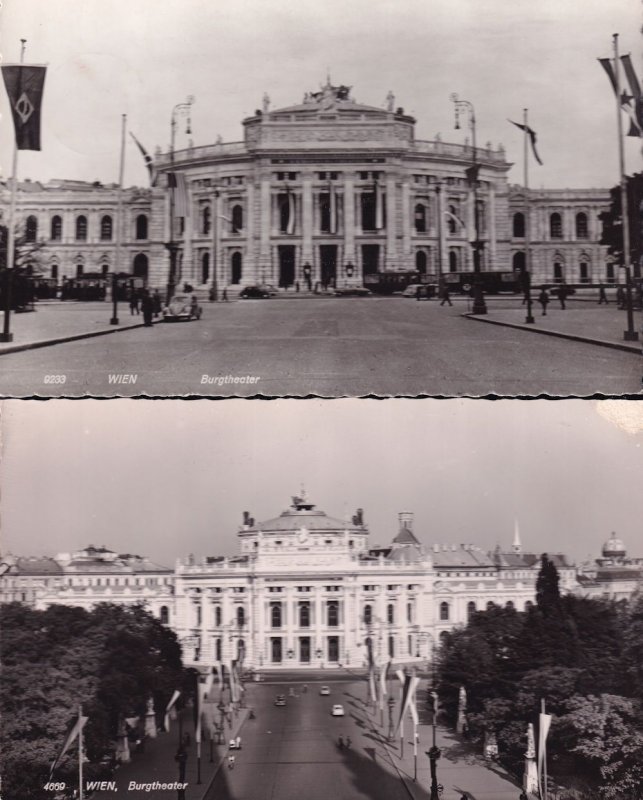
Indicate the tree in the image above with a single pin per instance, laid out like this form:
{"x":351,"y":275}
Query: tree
{"x":612,"y":221}
{"x":548,"y":587}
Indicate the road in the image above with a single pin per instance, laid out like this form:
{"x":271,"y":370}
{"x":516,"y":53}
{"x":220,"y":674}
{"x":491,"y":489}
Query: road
{"x":291,"y":752}
{"x":328,"y":347}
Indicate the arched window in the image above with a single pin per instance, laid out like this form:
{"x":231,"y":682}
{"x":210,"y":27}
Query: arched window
{"x":141,"y":226}
{"x":165,"y":615}
{"x":471,"y":609}
{"x":236,"y":268}
{"x":509,"y":605}
{"x":217,"y":616}
{"x":198,"y":615}
{"x":582,"y":231}
{"x":452,"y":224}
{"x":420,"y":262}
{"x":275,"y":615}
{"x":409,"y":612}
{"x":528,"y":605}
{"x":558,"y":272}
{"x":444,"y":637}
{"x":79,"y":270}
{"x":206,"y":215}
{"x":490,"y":605}
{"x":217,"y":649}
{"x":141,"y":266}
{"x":555,"y":226}
{"x":31,"y":229}
{"x":391,"y":646}
{"x":286,"y":209}
{"x":241,"y":617}
{"x":444,"y":611}
{"x":56,"y":228}
{"x":453,"y":261}
{"x":368,"y":614}
{"x":81,"y":228}
{"x":409,"y":644}
{"x":54,"y":271}
{"x":205,"y":267}
{"x":304,"y":615}
{"x":518,"y":262}
{"x":241,"y":649}
{"x":106,"y":228}
{"x":420,"y":218}
{"x":390,"y":613}
{"x":584,"y":271}
{"x":609,"y":272}
{"x":519,"y":225}
{"x":237,"y":218}
{"x":104,"y":269}
{"x":333,"y":614}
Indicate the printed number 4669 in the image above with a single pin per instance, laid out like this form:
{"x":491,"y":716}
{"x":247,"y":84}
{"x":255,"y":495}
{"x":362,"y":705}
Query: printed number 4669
{"x":55,"y":787}
{"x":55,"y":379}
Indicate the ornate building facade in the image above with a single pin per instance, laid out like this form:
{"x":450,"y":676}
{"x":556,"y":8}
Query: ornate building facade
{"x":326,"y":191}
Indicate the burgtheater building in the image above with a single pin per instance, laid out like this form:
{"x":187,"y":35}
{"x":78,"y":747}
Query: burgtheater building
{"x":306,"y":590}
{"x":327,"y":191}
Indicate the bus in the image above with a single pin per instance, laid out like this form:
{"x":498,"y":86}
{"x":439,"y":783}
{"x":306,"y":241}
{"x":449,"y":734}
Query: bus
{"x":389,"y":282}
{"x":494,"y":282}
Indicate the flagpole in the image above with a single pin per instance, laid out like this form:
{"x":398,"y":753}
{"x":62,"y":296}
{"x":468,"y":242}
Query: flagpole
{"x":119,"y":224}
{"x":7,"y":336}
{"x":544,"y":787}
{"x":630,"y":335}
{"x":527,"y":276}
{"x":80,"y":752}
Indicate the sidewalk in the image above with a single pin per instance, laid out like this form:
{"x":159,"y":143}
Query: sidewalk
{"x":157,"y":763}
{"x":55,"y":322}
{"x":460,"y":768}
{"x":580,"y":322}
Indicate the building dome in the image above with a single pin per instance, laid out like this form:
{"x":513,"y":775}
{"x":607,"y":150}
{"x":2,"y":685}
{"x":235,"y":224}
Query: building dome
{"x":614,"y":547}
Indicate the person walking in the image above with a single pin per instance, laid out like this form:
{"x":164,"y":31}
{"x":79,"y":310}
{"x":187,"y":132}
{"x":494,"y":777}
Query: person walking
{"x":147,"y":307}
{"x":446,"y":297}
{"x":562,"y":294}
{"x":230,"y":762}
{"x":543,"y":299}
{"x":602,"y":296}
{"x":133,"y":302}
{"x":157,"y":303}
{"x":620,"y":297}
{"x":224,"y":295}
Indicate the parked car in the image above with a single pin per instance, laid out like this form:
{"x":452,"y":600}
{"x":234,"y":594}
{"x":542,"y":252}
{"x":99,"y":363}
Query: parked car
{"x":337,"y":710}
{"x":352,"y":291}
{"x":555,"y":289}
{"x":324,"y":690}
{"x":251,"y":292}
{"x":427,"y":290}
{"x":182,"y":307}
{"x":280,"y":700}
{"x":268,"y":287}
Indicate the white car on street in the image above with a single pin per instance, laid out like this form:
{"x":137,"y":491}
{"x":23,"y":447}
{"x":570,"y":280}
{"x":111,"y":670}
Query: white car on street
{"x":337,"y":711}
{"x":324,"y":690}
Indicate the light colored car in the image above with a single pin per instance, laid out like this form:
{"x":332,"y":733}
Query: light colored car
{"x":324,"y":690}
{"x":182,"y":307}
{"x":280,"y":700}
{"x":427,"y":290}
{"x":411,"y":290}
{"x":337,"y":711}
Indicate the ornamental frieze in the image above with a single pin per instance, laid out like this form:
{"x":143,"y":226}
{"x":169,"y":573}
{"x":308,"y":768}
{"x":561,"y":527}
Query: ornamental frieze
{"x":329,"y":134}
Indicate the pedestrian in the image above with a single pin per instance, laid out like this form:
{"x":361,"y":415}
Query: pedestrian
{"x":305,"y":688}
{"x":238,"y":742}
{"x":133,"y":302}
{"x":147,"y":306}
{"x":562,"y":294}
{"x":348,"y":742}
{"x":340,"y":743}
{"x":224,"y":295}
{"x":543,"y":299}
{"x":230,"y":762}
{"x":620,"y":297}
{"x":418,"y":292}
{"x":157,"y":303}
{"x":602,"y":297}
{"x":446,"y":297}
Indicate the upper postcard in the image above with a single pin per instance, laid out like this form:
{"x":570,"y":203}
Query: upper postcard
{"x":302,"y":229}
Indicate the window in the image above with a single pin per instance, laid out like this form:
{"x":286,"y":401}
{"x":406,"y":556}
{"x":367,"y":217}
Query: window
{"x":198,"y":615}
{"x":528,"y":605}
{"x":409,"y":645}
{"x":420,"y":218}
{"x":79,"y":270}
{"x":287,"y":213}
{"x":275,"y":615}
{"x":164,"y":615}
{"x":31,"y":229}
{"x":582,"y":231}
{"x":81,"y":228}
{"x":237,"y":218}
{"x":490,"y":605}
{"x":106,"y":228}
{"x":333,"y":614}
{"x":368,"y":614}
{"x":584,"y":272}
{"x":444,"y":611}
{"x":205,"y":220}
{"x":555,"y":226}
{"x":453,"y":213}
{"x":609,"y":271}
{"x":509,"y":605}
{"x":217,"y":649}
{"x":420,"y":262}
{"x":519,"y":226}
{"x":333,"y":648}
{"x":471,"y":610}
{"x":391,"y":646}
{"x":304,"y":615}
{"x":453,"y":261}
{"x":56,"y":228}
{"x":558,"y":272}
{"x":390,"y":613}
{"x":217,"y":616}
{"x":141,"y":226}
{"x":409,"y":612}
{"x":241,"y":617}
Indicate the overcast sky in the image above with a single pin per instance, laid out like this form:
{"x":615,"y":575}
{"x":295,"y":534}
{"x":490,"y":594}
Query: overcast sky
{"x":166,"y":478}
{"x":141,"y":57}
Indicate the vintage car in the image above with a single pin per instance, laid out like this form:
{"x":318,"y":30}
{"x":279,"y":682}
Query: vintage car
{"x":280,"y":700}
{"x":325,"y":690}
{"x":352,"y":291}
{"x":427,"y":290}
{"x":182,"y":307}
{"x":337,"y":710}
{"x":251,"y":292}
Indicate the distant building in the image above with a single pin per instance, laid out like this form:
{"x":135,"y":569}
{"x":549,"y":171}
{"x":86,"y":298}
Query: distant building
{"x":615,"y":575}
{"x":327,"y":191}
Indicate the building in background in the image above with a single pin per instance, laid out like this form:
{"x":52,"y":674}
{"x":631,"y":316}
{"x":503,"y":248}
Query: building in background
{"x":324,"y":192}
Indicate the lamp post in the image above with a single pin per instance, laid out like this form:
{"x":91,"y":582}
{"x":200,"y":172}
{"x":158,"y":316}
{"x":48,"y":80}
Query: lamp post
{"x":434,"y":752}
{"x":180,"y":109}
{"x":440,"y":218}
{"x":391,"y":705}
{"x":479,"y":305}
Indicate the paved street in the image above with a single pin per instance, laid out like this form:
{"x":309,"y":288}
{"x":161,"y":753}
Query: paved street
{"x":331,"y":347}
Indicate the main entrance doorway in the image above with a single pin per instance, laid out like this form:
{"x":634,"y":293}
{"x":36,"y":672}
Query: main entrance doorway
{"x":286,"y":264}
{"x":370,"y":258}
{"x":328,"y":259}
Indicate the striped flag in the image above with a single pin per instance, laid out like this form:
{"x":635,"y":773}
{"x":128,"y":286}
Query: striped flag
{"x":409,"y":685}
{"x":290,"y":227}
{"x":544,"y":721}
{"x":631,"y":103}
{"x":73,"y":730}
{"x":149,"y":161}
{"x":383,"y":677}
{"x":177,"y":183}
{"x":170,"y":706}
{"x":532,"y":138}
{"x":25,"y":85}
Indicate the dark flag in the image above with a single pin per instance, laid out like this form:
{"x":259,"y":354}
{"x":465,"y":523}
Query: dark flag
{"x":24,"y":86}
{"x":632,"y":103}
{"x":149,"y":161}
{"x":532,"y":138}
{"x":472,"y":174}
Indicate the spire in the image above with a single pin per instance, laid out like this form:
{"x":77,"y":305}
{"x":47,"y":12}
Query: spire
{"x":517,"y":545}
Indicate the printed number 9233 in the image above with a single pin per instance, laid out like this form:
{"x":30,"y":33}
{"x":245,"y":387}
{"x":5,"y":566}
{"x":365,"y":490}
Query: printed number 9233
{"x":55,"y":379}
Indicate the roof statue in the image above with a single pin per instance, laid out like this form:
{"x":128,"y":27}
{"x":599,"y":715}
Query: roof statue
{"x":390,"y":101}
{"x":265,"y":102}
{"x":517,"y":544}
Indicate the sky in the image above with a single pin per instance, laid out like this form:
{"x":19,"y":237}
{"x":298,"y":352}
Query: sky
{"x":142,"y":57}
{"x":168,"y":478}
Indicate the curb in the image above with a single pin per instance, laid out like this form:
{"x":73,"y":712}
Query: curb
{"x":18,"y":348}
{"x":628,"y":348}
{"x":223,"y":758}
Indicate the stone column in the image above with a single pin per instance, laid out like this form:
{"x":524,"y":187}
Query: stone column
{"x":265,"y":222}
{"x":250,"y":258}
{"x":491,"y":226}
{"x":406,"y":223}
{"x":391,"y":222}
{"x":349,"y":220}
{"x":318,"y":642}
{"x":306,"y":223}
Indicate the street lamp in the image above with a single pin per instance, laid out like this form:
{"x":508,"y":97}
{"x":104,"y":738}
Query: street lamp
{"x":391,"y":705}
{"x":180,"y":109}
{"x":434,"y":753}
{"x":479,"y":305}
